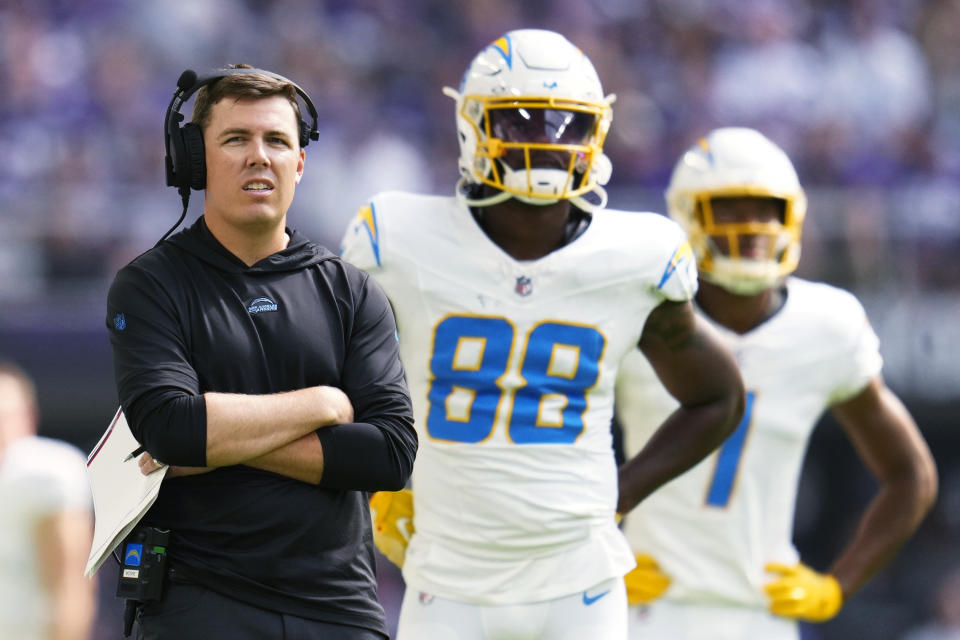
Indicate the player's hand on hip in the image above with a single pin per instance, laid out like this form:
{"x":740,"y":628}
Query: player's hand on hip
{"x":392,"y":515}
{"x":336,"y":405}
{"x":646,"y":582}
{"x":801,"y":593}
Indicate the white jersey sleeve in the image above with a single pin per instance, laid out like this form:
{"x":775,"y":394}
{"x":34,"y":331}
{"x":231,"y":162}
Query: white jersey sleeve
{"x":714,"y":528}
{"x":511,"y":367}
{"x":861,"y":346}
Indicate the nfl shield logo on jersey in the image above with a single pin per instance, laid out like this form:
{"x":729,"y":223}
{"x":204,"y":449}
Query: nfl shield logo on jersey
{"x":524,"y":286}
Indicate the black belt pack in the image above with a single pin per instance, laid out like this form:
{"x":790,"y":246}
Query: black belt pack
{"x":143,"y":569}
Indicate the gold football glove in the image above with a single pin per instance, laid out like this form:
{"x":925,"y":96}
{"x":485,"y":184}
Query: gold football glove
{"x":392,"y":515}
{"x":646,"y":582}
{"x":802,"y":593}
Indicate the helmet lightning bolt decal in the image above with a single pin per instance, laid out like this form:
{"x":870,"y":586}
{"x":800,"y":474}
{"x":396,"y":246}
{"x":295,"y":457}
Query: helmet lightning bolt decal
{"x":706,"y":148}
{"x":502,"y":45}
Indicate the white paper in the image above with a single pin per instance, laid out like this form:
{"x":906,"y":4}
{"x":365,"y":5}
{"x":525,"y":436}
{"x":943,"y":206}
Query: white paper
{"x":121,"y":494}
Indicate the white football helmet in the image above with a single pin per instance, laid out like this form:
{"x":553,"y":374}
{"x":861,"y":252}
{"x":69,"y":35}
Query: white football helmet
{"x":531,"y":120}
{"x":737,"y":162}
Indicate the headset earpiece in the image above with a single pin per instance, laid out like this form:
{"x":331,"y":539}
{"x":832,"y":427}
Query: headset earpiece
{"x":304,"y":134}
{"x":194,"y":156}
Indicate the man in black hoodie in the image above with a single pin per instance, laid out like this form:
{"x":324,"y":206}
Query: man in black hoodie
{"x":265,"y":371}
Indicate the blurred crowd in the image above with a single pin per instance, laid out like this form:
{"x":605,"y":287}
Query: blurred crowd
{"x":863,"y":94}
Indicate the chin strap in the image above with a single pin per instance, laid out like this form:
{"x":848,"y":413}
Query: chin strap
{"x":463,"y":190}
{"x":503,"y":196}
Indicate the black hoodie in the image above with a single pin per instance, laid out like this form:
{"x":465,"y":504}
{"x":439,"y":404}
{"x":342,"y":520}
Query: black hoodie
{"x":189,"y":317}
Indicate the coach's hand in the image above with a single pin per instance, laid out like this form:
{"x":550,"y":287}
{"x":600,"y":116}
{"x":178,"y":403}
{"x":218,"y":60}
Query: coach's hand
{"x":392,"y":515}
{"x":646,"y":582}
{"x":802,"y":593}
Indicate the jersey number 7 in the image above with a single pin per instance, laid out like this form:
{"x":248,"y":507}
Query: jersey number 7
{"x":729,"y":457}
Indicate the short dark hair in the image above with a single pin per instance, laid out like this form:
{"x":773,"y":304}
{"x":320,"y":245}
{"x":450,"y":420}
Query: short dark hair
{"x":242,"y":85}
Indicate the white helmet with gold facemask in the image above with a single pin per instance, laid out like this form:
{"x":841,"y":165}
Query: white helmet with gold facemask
{"x":532,"y":119}
{"x":736,"y":162}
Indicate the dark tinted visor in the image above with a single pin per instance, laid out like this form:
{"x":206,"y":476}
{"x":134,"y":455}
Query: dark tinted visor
{"x":551,"y":126}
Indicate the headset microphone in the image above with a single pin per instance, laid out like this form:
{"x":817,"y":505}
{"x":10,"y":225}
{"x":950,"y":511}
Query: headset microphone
{"x":187,"y":79}
{"x":185,"y":162}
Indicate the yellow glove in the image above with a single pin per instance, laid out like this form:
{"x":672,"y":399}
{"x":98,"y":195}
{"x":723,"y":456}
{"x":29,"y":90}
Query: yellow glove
{"x":646,"y":582}
{"x":392,"y":515}
{"x":802,"y":593}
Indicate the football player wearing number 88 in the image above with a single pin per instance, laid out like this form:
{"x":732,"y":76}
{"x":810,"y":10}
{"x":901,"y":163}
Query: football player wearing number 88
{"x":516,"y":299}
{"x":715,"y":545}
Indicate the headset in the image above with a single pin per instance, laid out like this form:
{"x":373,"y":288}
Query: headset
{"x":185,"y":161}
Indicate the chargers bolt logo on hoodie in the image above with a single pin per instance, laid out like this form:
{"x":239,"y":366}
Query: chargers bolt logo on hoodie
{"x":261,"y":305}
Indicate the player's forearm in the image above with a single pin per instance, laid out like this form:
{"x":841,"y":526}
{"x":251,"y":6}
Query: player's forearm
{"x":890,"y":444}
{"x":63,"y":541}
{"x":73,"y":611}
{"x":701,"y":373}
{"x":684,"y":439}
{"x":889,"y":521}
{"x":301,"y":460}
{"x":244,"y":427}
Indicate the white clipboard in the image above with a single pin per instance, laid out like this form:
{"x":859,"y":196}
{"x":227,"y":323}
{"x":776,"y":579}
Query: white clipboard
{"x":121,"y":494}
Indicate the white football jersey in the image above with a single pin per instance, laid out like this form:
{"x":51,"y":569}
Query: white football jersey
{"x":38,"y":477}
{"x":511,"y":366}
{"x":715,"y":528}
